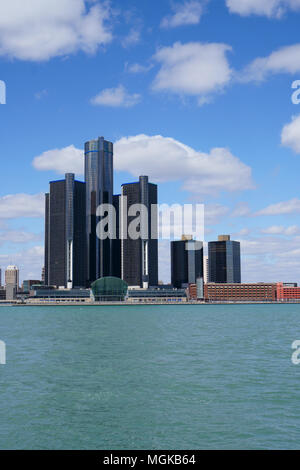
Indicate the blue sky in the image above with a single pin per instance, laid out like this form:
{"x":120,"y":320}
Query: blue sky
{"x":197,"y":94}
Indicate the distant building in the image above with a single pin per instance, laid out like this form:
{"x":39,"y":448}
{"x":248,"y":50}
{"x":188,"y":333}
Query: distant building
{"x":287,"y":292}
{"x":224,"y":258}
{"x":186,"y":262}
{"x":0,"y":277}
{"x":99,"y":190}
{"x":12,"y":277}
{"x":228,"y":292}
{"x":140,"y":256}
{"x":27,"y":285}
{"x":161,"y":294}
{"x":65,"y":234}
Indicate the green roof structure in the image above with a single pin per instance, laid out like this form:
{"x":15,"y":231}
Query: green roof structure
{"x":109,"y":289}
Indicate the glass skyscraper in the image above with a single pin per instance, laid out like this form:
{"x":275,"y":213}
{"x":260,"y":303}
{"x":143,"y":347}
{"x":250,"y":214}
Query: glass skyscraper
{"x":99,"y":190}
{"x":186,"y":262}
{"x":224,"y":257}
{"x":140,"y":256}
{"x":65,"y":233}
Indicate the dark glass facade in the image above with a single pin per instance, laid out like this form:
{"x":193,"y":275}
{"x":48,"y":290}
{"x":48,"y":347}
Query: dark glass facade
{"x":65,"y":234}
{"x":186,"y":262}
{"x":116,"y":244}
{"x":224,"y":262}
{"x":140,"y":256}
{"x":99,"y":190}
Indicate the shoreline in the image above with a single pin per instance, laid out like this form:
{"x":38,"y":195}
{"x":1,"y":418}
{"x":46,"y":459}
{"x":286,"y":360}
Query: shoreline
{"x":139,"y":304}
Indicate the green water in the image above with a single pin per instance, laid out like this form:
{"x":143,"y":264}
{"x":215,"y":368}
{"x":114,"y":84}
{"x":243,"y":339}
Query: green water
{"x":150,"y":377}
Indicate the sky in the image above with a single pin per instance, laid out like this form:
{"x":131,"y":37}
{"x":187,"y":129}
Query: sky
{"x":203,"y":96}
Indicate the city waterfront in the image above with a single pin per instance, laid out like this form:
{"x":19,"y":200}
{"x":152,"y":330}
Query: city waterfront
{"x":148,"y":377}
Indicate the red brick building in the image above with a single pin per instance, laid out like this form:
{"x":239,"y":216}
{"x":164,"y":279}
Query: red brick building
{"x":260,"y":292}
{"x":287,"y":293}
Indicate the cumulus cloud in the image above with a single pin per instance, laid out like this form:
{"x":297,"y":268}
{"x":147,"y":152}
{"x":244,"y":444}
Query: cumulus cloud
{"x":163,"y":159}
{"x":242,"y":209}
{"x":290,"y":136}
{"x":281,"y":230}
{"x":283,"y":60}
{"x":166,"y":159}
{"x":196,"y":69}
{"x":22,"y":205}
{"x":36,"y":31}
{"x":116,"y":97}
{"x":65,"y":160}
{"x":269,"y":8}
{"x":186,"y":13}
{"x":281,"y":208}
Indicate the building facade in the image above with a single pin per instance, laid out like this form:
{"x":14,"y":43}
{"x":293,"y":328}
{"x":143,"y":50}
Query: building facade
{"x":99,"y":190}
{"x":287,"y":292}
{"x":186,"y":262}
{"x":139,"y":257}
{"x":65,"y":234}
{"x":228,"y":292}
{"x":12,"y":277}
{"x":224,"y":257}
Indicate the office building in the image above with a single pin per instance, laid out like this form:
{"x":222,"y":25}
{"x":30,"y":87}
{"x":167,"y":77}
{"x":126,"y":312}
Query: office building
{"x":186,"y":262}
{"x":139,"y":256}
{"x":227,"y":292}
{"x":28,"y":284}
{"x":224,"y":260}
{"x":12,"y":277}
{"x":99,"y":190}
{"x":0,"y":277}
{"x":65,"y":233}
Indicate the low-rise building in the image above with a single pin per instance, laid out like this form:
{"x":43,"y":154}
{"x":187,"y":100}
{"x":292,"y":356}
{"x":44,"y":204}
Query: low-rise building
{"x":259,"y":292}
{"x":287,"y":292}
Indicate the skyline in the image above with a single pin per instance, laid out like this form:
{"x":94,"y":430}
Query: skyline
{"x":164,"y":124}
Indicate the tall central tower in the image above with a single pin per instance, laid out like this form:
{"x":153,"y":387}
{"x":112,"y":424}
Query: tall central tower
{"x":99,"y":190}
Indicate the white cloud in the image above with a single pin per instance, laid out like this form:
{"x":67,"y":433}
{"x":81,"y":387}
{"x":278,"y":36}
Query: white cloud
{"x":166,"y":159}
{"x":116,"y":97}
{"x":163,"y":159}
{"x":242,"y":209}
{"x":281,"y":208}
{"x":22,"y":205}
{"x":196,"y":69}
{"x":214,"y":213}
{"x":38,"y":30}
{"x":138,"y":68}
{"x":290,"y":136}
{"x":133,"y":38}
{"x":186,"y":13}
{"x":269,"y":8}
{"x":283,"y":60}
{"x":281,"y":230}
{"x":17,"y":236}
{"x":65,"y":160}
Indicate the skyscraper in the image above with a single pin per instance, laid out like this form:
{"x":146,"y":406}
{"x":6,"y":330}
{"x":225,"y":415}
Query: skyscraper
{"x":12,"y":277}
{"x":65,"y":233}
{"x":140,"y":256}
{"x":224,"y":258}
{"x":99,"y":190}
{"x":186,"y":261}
